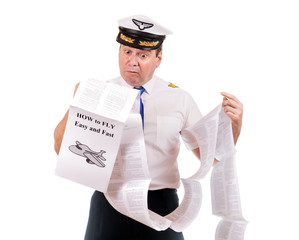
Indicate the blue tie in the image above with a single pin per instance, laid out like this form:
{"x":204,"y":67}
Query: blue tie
{"x":141,"y":89}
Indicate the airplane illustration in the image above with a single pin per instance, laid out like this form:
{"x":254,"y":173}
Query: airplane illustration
{"x":91,"y":156}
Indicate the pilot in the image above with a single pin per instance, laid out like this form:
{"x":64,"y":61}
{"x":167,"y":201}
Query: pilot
{"x":166,"y":110}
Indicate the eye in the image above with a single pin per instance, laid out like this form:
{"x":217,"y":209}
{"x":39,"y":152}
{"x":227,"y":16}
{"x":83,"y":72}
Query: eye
{"x":127,"y":51}
{"x":143,"y":55}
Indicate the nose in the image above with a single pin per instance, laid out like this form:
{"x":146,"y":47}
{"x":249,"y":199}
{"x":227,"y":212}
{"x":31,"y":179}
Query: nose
{"x":133,"y":61}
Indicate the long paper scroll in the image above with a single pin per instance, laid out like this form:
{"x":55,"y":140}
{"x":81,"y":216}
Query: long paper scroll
{"x":127,"y":188}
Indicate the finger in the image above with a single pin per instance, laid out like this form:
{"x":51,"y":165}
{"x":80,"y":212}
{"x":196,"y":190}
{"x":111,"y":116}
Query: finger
{"x":235,"y":111}
{"x":233,"y":117}
{"x":229,"y":109}
{"x":230,"y":96}
{"x":229,"y":102}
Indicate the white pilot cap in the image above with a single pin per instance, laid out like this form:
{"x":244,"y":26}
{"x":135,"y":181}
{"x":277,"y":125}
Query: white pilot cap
{"x":141,"y":32}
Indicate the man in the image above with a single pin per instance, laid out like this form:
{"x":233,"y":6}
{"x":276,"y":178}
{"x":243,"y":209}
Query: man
{"x":166,"y":110}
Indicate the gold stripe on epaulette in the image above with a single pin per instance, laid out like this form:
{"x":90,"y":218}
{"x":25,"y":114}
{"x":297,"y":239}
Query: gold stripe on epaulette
{"x":148,"y":44}
{"x":127,"y":39}
{"x":172,"y":85}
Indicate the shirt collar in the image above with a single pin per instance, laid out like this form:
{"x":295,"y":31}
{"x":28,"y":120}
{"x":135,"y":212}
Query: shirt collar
{"x":149,"y":86}
{"x":122,"y":82}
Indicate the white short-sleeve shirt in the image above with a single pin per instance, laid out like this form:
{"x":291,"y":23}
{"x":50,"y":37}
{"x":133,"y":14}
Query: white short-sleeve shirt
{"x":168,"y":111}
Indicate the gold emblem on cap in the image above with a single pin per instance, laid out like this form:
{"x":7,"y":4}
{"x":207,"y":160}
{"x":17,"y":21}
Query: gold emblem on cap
{"x":127,"y":39}
{"x":148,"y":44}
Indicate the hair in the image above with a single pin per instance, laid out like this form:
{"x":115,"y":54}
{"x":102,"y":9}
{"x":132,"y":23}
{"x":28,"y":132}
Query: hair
{"x":158,"y":50}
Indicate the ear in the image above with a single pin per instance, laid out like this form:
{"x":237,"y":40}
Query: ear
{"x":159,"y":59}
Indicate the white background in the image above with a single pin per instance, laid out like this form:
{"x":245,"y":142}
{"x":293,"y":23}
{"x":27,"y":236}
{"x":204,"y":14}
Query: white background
{"x":248,"y":48}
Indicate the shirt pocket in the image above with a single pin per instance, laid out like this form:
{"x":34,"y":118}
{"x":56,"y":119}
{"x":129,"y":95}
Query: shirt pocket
{"x":168,"y":132}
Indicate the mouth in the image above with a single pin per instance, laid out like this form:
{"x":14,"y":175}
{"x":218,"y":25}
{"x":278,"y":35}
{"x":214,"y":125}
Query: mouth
{"x":132,"y":72}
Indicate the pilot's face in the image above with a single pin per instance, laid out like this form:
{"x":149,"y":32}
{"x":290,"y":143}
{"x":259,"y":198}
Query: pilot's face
{"x":138,"y":66}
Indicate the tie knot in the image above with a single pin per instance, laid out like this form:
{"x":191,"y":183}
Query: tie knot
{"x":141,"y":89}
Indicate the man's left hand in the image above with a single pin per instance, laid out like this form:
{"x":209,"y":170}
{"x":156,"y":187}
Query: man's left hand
{"x":234,"y":110}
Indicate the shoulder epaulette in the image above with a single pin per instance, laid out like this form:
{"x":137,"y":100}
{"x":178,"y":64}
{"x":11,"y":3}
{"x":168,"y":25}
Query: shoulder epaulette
{"x":172,"y":85}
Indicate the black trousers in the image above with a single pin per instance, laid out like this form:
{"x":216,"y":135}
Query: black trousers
{"x":105,"y":223}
